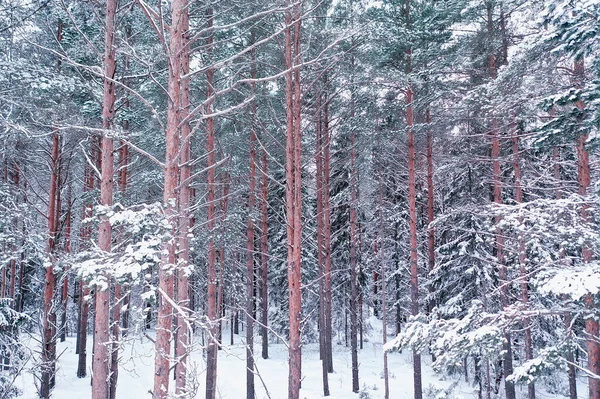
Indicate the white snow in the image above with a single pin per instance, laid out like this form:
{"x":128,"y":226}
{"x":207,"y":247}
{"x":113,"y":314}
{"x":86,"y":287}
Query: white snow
{"x":137,"y":369}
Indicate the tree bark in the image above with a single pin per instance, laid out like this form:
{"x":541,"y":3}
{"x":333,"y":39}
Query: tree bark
{"x":353,"y":259}
{"x":84,"y":290}
{"x":522,"y":258}
{"x":212,"y":312}
{"x":571,"y":372}
{"x":509,"y":387}
{"x":412,"y":212}
{"x":583,"y":177}
{"x":49,"y":320}
{"x":171,"y":178}
{"x":430,"y":202}
{"x":293,"y":194}
{"x":327,"y":229}
{"x":264,"y":257}
{"x":183,"y":289}
{"x":65,"y":287}
{"x":102,"y":353}
{"x":320,"y":245}
{"x":250,"y":246}
{"x":382,"y":271}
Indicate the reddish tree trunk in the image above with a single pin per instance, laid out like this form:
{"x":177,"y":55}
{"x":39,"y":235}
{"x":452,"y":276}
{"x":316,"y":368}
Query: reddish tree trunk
{"x":509,"y":387}
{"x":412,"y":211}
{"x":102,"y":353}
{"x":320,"y":245}
{"x":167,"y":269}
{"x":583,"y":177}
{"x":293,"y":195}
{"x":183,"y":333}
{"x":412,"y":214}
{"x":49,"y":320}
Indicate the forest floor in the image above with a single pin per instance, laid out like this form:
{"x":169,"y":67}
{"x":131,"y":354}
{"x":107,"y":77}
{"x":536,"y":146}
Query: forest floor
{"x":137,"y":368}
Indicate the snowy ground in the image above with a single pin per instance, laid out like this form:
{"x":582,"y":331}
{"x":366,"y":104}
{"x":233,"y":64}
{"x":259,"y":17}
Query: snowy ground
{"x":137,"y":366}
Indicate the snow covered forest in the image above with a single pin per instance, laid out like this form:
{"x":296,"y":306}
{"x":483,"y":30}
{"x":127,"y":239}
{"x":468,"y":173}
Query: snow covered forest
{"x":263,"y":199}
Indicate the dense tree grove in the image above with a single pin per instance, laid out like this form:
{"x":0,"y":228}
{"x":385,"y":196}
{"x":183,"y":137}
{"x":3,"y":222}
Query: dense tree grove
{"x":411,"y":178}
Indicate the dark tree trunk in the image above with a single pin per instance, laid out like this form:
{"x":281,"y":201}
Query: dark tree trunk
{"x":212,"y":311}
{"x":264,"y":256}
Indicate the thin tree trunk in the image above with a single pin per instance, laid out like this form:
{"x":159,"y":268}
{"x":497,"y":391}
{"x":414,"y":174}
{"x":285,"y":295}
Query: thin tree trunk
{"x":509,"y":387}
{"x":320,"y":245}
{"x":264,"y":257}
{"x":571,"y":372}
{"x":65,"y":287}
{"x":84,"y":291}
{"x":382,"y":271}
{"x":49,"y":320}
{"x":102,"y":353}
{"x":353,"y":261}
{"x":122,"y":185}
{"x":412,"y":212}
{"x":327,"y":230}
{"x":523,"y":259}
{"x":223,"y":204}
{"x":212,"y":312}
{"x":250,"y":247}
{"x":13,"y":262}
{"x":430,"y":201}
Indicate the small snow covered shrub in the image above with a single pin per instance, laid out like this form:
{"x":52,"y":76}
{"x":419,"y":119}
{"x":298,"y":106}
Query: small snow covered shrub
{"x":12,"y":351}
{"x":364,"y":393}
{"x":437,"y":392}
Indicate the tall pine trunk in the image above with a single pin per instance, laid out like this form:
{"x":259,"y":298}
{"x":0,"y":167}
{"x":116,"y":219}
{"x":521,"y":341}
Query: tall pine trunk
{"x":49,"y":318}
{"x":583,"y":178}
{"x":412,"y":215}
{"x":509,"y":387}
{"x":212,"y":311}
{"x":354,"y":311}
{"x":171,"y":177}
{"x":250,"y":246}
{"x":102,"y":348}
{"x":293,"y":191}
{"x":327,"y":229}
{"x":183,"y":271}
{"x":320,"y":244}
{"x":522,"y":258}
{"x":383,"y":276}
{"x":571,"y":371}
{"x":84,"y":290}
{"x":264,"y":258}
